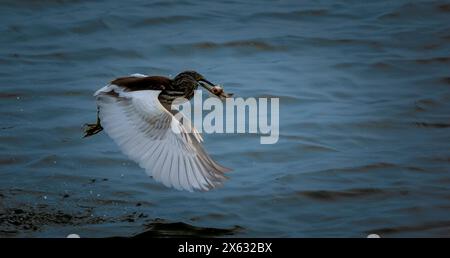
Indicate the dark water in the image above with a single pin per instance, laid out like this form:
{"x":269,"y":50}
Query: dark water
{"x":365,"y":126}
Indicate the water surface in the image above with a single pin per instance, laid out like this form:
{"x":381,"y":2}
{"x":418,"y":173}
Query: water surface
{"x":364,"y":93}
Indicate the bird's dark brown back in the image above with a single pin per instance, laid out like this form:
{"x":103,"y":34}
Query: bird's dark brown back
{"x":143,"y":83}
{"x":183,"y":86}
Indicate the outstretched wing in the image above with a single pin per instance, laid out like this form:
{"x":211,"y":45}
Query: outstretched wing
{"x":156,"y":140}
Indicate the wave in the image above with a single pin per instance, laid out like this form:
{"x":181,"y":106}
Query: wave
{"x":164,"y":20}
{"x":433,"y":60}
{"x":160,"y":228}
{"x":91,"y":54}
{"x":300,"y":14}
{"x":258,"y":45}
{"x":433,"y":125}
{"x":419,"y":229}
{"x":327,"y":195}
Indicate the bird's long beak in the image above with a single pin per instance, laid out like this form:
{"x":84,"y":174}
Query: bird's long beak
{"x":216,"y":90}
{"x":206,"y":84}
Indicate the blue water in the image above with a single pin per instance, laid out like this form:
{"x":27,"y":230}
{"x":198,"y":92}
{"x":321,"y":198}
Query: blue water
{"x":364,"y":94}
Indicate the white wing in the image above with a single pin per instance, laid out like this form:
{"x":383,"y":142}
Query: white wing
{"x":140,"y":75}
{"x":142,"y":128}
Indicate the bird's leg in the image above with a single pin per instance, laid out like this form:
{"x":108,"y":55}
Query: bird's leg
{"x":91,"y":129}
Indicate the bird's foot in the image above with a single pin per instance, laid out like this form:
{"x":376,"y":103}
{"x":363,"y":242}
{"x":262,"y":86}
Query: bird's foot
{"x":91,"y":129}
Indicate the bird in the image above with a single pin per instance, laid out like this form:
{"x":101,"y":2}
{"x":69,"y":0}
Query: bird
{"x":135,"y":111}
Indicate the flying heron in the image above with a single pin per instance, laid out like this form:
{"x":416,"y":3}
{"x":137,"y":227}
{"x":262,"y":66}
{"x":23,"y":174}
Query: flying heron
{"x":136,"y":113}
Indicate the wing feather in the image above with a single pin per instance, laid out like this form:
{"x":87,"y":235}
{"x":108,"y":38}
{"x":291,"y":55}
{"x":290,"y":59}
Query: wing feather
{"x":142,"y":128}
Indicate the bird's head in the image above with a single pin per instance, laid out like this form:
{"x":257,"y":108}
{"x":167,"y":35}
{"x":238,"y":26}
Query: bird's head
{"x":214,"y":89}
